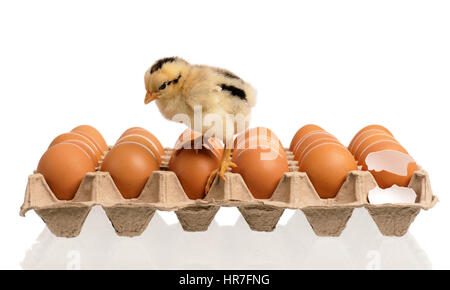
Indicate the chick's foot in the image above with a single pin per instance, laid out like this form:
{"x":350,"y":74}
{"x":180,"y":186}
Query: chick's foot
{"x":225,"y":163}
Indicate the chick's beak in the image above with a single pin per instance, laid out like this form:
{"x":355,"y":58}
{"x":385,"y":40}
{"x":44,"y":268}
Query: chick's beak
{"x":149,"y":97}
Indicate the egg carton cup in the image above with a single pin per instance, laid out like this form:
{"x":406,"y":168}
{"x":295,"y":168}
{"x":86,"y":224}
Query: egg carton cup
{"x":163,"y":191}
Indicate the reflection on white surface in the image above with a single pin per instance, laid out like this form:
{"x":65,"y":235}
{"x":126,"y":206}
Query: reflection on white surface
{"x":293,"y":245}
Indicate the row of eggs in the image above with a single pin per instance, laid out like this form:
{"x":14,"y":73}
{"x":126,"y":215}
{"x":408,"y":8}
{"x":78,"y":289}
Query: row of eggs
{"x":258,"y":154}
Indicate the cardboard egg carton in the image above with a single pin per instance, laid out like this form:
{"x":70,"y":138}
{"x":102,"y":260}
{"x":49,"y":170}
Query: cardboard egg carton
{"x":163,"y":191}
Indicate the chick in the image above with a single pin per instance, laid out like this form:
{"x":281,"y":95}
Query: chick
{"x":179,"y":88}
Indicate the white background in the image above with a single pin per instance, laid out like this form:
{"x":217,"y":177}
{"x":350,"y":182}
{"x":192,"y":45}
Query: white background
{"x":339,"y":64}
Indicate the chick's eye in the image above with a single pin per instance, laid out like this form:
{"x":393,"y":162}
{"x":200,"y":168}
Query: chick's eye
{"x":162,"y":87}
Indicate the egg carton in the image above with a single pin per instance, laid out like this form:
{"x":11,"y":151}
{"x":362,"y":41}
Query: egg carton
{"x":163,"y":191}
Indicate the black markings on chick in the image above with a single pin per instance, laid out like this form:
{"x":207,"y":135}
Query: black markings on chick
{"x":227,"y":74}
{"x":158,"y":65}
{"x":234,"y":91}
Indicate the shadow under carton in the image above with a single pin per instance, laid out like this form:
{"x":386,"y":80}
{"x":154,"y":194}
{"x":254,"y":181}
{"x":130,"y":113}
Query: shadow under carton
{"x":163,"y":191}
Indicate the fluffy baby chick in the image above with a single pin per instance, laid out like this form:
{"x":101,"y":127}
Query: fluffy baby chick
{"x":179,"y":87}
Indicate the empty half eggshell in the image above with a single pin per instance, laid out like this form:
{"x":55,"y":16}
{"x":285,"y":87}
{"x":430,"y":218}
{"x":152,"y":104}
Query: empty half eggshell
{"x":94,"y":135}
{"x":130,"y":165}
{"x":302,"y":132}
{"x":389,"y":163}
{"x":261,"y":174}
{"x":327,"y":166}
{"x":64,"y":166}
{"x":76,"y":136}
{"x":147,"y":134}
{"x":193,"y":168}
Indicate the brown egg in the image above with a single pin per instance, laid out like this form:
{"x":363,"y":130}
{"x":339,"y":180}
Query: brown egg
{"x":399,"y":158}
{"x":64,"y":166}
{"x":327,"y":166}
{"x":144,"y":141}
{"x":261,"y":175}
{"x":147,"y":134}
{"x":94,"y":135}
{"x":86,"y":149}
{"x":193,"y":167}
{"x":300,"y":153}
{"x":259,"y":132}
{"x":75,"y":136}
{"x":302,"y":132}
{"x":257,"y":141}
{"x":308,"y":138}
{"x":363,"y":143}
{"x":373,"y":128}
{"x":130,"y":165}
{"x":364,"y":135}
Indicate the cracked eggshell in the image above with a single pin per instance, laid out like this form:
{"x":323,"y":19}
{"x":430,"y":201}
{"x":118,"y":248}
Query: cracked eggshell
{"x":389,"y":163}
{"x":64,"y":166}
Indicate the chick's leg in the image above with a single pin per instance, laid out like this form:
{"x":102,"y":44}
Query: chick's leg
{"x":225,"y":163}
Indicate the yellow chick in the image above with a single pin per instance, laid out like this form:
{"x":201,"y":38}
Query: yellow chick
{"x":181,"y":88}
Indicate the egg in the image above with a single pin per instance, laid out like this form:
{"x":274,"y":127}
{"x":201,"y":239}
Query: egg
{"x":146,"y":134}
{"x":94,"y":135}
{"x":144,"y":141}
{"x":327,"y":166}
{"x":389,"y":163}
{"x":307,"y":139}
{"x":190,"y":139}
{"x":75,"y":136}
{"x":262,"y":169}
{"x":300,"y":153}
{"x":130,"y":165}
{"x":368,"y":141}
{"x":260,"y":132}
{"x":302,"y":132}
{"x":373,"y":128}
{"x":64,"y":166}
{"x":86,"y":149}
{"x":193,"y":168}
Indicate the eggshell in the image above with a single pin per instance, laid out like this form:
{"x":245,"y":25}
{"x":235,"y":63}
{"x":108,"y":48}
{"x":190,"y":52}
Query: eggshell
{"x":261,"y":176}
{"x":94,"y":135}
{"x":193,"y":168}
{"x":193,"y":140}
{"x":384,"y":178}
{"x":380,"y":145}
{"x":257,"y":141}
{"x":147,"y":134}
{"x":367,"y":128}
{"x":130,"y":164}
{"x":302,"y":132}
{"x":86,"y":149}
{"x":76,"y":136}
{"x":260,"y":132}
{"x":144,"y":141}
{"x":363,"y":143}
{"x":327,"y":166}
{"x":300,"y":153}
{"x":64,"y":166}
{"x":308,"y":138}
